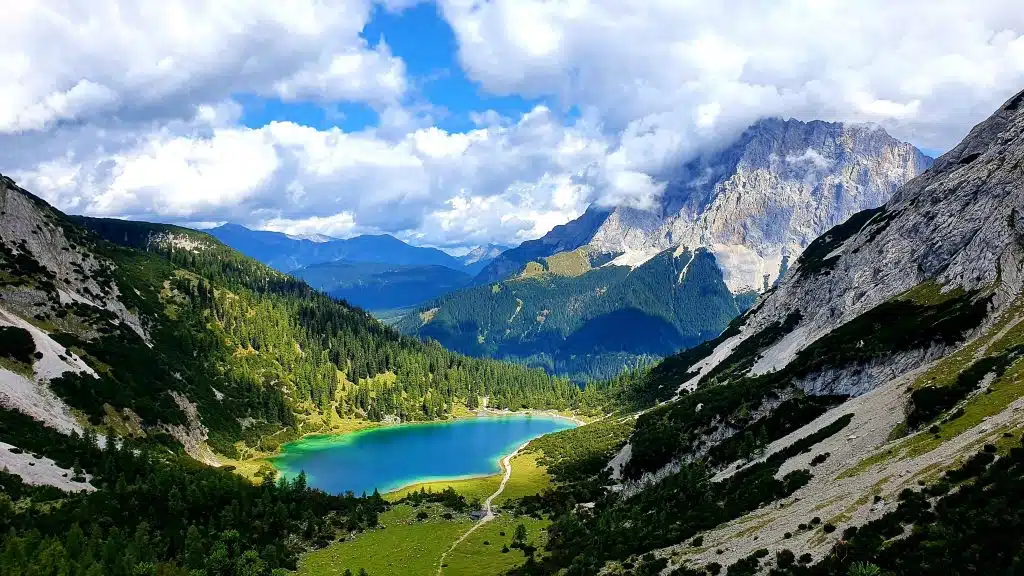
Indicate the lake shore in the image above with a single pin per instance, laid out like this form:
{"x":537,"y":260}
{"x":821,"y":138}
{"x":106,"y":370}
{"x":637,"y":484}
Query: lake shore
{"x":249,"y":467}
{"x":305,"y":453}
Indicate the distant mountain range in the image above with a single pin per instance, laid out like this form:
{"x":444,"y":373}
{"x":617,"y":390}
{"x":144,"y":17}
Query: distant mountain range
{"x":744,"y":212}
{"x":376,"y":272}
{"x":478,"y":258}
{"x":286,"y":253}
{"x":376,"y":286}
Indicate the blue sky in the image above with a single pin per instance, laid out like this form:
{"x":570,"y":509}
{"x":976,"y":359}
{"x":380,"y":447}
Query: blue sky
{"x":426,"y":43}
{"x":342,"y":135}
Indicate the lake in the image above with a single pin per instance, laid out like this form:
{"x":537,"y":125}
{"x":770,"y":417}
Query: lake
{"x":392,"y":457}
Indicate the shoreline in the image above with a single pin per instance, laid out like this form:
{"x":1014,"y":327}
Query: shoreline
{"x":480,"y":413}
{"x":268,"y":457}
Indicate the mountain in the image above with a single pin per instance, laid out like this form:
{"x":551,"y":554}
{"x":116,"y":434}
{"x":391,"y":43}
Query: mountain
{"x":756,"y":204}
{"x":585,"y":322}
{"x":864,"y":417}
{"x":375,"y":286}
{"x":165,"y":330}
{"x":749,"y":210}
{"x":479,"y":257}
{"x":562,"y":238}
{"x":286,"y":253}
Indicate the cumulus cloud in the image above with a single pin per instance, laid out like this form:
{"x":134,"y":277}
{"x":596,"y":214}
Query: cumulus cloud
{"x":927,"y":70}
{"x":118,"y":108}
{"x":507,"y":182}
{"x":66,"y":60}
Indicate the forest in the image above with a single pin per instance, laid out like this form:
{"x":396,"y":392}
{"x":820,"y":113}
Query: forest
{"x":154,"y":515}
{"x":244,"y":341}
{"x":565,"y":316}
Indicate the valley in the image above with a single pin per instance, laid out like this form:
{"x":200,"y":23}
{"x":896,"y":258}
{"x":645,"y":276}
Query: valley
{"x":512,"y":288}
{"x":170,"y":406}
{"x":618,"y":288}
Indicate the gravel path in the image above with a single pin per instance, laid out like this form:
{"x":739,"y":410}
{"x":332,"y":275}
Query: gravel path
{"x":488,"y":512}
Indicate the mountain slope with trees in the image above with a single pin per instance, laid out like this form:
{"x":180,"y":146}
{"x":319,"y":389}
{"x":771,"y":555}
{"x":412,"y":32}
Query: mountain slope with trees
{"x":564,"y":315}
{"x":166,"y":331}
{"x":375,"y":286}
{"x":864,"y":417}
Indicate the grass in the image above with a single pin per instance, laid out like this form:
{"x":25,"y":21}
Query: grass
{"x":574,"y":263}
{"x":471,"y":488}
{"x":427,"y":315}
{"x":403,"y":547}
{"x":528,"y":478}
{"x":532,"y":270}
{"x":17,"y":367}
{"x":1006,"y":389}
{"x":472,"y":557}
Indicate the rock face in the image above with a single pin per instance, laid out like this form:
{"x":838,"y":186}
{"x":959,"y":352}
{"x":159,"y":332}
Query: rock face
{"x":476,"y":259}
{"x":909,"y":315}
{"x":757,"y":203}
{"x":959,"y":225}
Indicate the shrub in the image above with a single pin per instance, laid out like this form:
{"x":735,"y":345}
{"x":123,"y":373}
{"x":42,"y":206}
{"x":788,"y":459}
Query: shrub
{"x":785,"y":558}
{"x":17,"y":344}
{"x":864,"y":569}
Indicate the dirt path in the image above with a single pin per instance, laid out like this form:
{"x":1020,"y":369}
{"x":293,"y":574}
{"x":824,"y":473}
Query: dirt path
{"x":488,"y":512}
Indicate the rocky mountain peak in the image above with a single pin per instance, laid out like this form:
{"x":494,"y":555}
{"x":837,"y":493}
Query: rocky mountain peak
{"x":758,"y":202}
{"x":956,"y":227}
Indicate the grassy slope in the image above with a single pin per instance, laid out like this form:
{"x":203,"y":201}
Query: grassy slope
{"x":472,"y":557}
{"x":471,"y":488}
{"x":412,"y":548}
{"x":404,"y":547}
{"x":528,"y":478}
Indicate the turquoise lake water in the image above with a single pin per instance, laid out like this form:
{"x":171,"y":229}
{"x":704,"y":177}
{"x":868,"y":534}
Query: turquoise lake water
{"x":392,"y":457}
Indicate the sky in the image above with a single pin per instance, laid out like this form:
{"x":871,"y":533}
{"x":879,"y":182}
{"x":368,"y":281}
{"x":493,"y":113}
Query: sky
{"x":457,"y":123}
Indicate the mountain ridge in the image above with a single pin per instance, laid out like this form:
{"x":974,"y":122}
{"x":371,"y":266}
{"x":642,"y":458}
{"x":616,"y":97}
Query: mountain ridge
{"x":376,"y":286}
{"x":286,"y":253}
{"x":755,"y":203}
{"x":752,"y":206}
{"x":857,"y":416}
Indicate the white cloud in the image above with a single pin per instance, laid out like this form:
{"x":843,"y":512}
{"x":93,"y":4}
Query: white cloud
{"x":120,"y":108}
{"x":503,"y":182}
{"x":65,"y":60}
{"x":926,"y":70}
{"x":810,"y":156}
{"x":340,"y":225}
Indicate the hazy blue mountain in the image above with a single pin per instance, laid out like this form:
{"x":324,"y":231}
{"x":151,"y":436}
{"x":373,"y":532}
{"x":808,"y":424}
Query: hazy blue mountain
{"x":478,"y":258}
{"x":378,"y":286}
{"x":287,"y":253}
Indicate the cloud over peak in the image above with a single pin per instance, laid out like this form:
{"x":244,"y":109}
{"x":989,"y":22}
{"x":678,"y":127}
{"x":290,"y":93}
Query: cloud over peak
{"x":136,"y":109}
